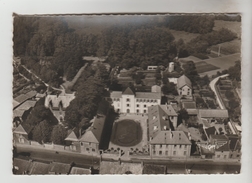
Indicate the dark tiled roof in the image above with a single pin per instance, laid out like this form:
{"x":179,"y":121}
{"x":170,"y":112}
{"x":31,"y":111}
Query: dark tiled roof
{"x":210,"y":131}
{"x":234,"y":142}
{"x":128,"y":91}
{"x":20,"y":130}
{"x":39,"y":168}
{"x":59,"y":168}
{"x":189,"y":105}
{"x":21,"y":165}
{"x":148,"y":95}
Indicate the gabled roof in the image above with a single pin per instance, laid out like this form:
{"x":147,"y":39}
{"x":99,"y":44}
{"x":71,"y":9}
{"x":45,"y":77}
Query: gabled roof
{"x":39,"y":168}
{"x":116,"y":94}
{"x":213,"y":113}
{"x":21,"y":165}
{"x":72,"y":136}
{"x":94,"y":132}
{"x":20,"y":130}
{"x":182,"y":81}
{"x":171,"y":137}
{"x":128,"y":91}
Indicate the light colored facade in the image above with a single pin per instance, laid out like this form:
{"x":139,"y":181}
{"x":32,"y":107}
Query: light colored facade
{"x":135,"y":102}
{"x":58,"y":102}
{"x":164,"y":142}
{"x":184,"y":86}
{"x":170,"y":144}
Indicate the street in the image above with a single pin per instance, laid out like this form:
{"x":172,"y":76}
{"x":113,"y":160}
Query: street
{"x":173,"y":166}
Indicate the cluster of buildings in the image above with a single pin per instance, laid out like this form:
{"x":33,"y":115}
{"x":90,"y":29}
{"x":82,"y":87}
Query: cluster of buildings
{"x":30,"y":167}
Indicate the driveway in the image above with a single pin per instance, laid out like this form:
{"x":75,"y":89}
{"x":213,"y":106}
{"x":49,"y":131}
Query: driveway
{"x":212,"y":86}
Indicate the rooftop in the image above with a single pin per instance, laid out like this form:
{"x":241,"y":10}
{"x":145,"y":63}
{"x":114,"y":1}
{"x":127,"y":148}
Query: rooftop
{"x":80,"y":171}
{"x":224,"y":147}
{"x":213,"y":113}
{"x":59,"y":168}
{"x":182,"y":81}
{"x":21,"y":165}
{"x":107,"y":167}
{"x":154,"y":169}
{"x":171,"y":137}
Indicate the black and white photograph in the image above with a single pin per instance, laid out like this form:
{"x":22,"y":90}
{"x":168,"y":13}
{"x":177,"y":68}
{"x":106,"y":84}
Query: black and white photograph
{"x":127,"y":94}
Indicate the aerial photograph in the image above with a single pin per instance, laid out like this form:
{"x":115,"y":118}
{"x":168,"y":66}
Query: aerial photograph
{"x":126,"y":94}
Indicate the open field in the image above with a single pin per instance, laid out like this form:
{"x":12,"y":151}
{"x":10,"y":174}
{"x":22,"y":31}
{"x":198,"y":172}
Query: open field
{"x":204,"y":67}
{"x":231,"y":25}
{"x":227,"y":48}
{"x":126,"y":133}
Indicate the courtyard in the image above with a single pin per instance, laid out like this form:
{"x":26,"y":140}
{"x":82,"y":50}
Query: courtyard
{"x":130,"y":133}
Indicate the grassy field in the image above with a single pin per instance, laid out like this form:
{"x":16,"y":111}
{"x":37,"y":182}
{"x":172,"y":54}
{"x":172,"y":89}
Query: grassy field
{"x":227,"y":48}
{"x":126,"y":133}
{"x":204,"y":67}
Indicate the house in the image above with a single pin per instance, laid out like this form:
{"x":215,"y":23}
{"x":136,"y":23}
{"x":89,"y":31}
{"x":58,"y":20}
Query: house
{"x":89,"y":142}
{"x":163,"y":141}
{"x":58,"y":103}
{"x":206,"y":151}
{"x":190,"y":107}
{"x":218,"y":140}
{"x":234,"y":146}
{"x":184,"y":86}
{"x":130,"y":101}
{"x":107,"y":167}
{"x":222,"y":152}
{"x":21,"y":134}
{"x":162,"y":117}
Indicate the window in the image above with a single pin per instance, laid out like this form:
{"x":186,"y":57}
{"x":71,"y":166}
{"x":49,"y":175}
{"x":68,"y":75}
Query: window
{"x":225,"y":156}
{"x":89,"y":143}
{"x":81,"y":143}
{"x":137,"y":100}
{"x":93,"y":150}
{"x":160,"y":145}
{"x":172,"y":117}
{"x":155,"y":100}
{"x":175,"y":146}
{"x":238,"y":156}
{"x":87,"y":149}
{"x":144,"y":111}
{"x":160,"y":152}
{"x":151,"y":101}
{"x":144,"y":100}
{"x":147,"y":100}
{"x":154,"y":152}
{"x":140,"y":100}
{"x":128,"y":105}
{"x":166,"y":153}
{"x":174,"y":153}
{"x":180,"y":146}
{"x":166,"y":146}
{"x":185,"y":146}
{"x":185,"y":153}
{"x":137,"y":105}
{"x":137,"y":110}
{"x":144,"y":105}
{"x":128,"y":100}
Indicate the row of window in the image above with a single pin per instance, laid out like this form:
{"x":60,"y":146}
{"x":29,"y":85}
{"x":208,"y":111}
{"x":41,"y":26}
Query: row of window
{"x":146,"y":100}
{"x":166,"y":153}
{"x":166,"y":145}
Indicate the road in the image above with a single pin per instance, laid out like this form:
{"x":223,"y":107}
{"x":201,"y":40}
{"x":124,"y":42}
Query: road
{"x":64,"y":157}
{"x":212,"y":86}
{"x":173,"y":167}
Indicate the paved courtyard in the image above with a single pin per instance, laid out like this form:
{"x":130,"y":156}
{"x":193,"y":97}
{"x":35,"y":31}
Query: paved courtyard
{"x":143,"y":122}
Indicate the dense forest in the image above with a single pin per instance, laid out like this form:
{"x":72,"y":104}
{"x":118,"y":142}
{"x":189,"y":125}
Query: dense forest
{"x":54,"y":50}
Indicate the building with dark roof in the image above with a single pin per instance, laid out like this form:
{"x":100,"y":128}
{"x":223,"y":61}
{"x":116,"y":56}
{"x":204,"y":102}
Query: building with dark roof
{"x":184,"y":86}
{"x":210,"y":131}
{"x":21,"y":134}
{"x":162,"y":140}
{"x":213,"y":113}
{"x":59,"y":168}
{"x":222,"y":152}
{"x":190,"y":107}
{"x":90,"y":140}
{"x":130,"y":101}
{"x":234,"y":146}
{"x":80,"y":171}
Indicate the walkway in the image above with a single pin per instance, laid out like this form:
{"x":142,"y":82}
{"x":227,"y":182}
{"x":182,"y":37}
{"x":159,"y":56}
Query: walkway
{"x":213,"y":87}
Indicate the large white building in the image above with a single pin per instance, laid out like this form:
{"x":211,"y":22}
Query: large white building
{"x":135,"y":102}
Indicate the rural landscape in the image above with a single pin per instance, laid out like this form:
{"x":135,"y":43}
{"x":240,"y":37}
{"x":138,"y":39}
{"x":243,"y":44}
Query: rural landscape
{"x":128,"y":94}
